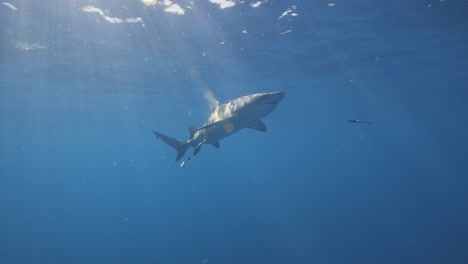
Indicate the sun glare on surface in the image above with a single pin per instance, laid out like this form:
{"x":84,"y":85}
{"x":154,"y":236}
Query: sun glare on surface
{"x":149,"y":2}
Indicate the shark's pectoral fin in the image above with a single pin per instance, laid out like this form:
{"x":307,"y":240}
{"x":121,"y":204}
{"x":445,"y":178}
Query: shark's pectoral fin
{"x":215,"y":144}
{"x":198,"y":147}
{"x":260,"y":126}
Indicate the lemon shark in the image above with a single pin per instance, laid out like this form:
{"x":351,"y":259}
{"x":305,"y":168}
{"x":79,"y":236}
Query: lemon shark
{"x":225,"y":120}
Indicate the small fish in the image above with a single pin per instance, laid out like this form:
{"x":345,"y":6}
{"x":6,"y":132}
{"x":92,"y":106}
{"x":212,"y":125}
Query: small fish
{"x":357,"y":121}
{"x":183,"y":162}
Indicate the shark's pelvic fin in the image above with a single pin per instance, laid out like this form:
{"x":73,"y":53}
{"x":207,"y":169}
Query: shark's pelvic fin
{"x":215,"y":144}
{"x":179,"y":145}
{"x":260,"y":126}
{"x":198,"y":147}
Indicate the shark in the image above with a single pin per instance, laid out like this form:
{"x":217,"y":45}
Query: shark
{"x":225,"y":120}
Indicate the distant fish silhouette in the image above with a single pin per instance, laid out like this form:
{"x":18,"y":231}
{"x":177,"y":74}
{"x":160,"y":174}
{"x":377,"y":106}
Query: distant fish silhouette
{"x":357,"y":121}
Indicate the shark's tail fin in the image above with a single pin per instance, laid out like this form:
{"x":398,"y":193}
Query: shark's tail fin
{"x":178,"y":145}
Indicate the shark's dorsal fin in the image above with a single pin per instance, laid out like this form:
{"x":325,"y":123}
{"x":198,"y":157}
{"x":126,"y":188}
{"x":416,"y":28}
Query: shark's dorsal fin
{"x":213,"y":104}
{"x":260,"y":126}
{"x":192,"y":130}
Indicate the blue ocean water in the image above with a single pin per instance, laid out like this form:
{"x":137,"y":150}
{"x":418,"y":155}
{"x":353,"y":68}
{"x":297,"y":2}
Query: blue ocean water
{"x":84,"y":180}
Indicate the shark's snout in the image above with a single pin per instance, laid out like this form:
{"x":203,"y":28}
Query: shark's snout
{"x":273,"y":98}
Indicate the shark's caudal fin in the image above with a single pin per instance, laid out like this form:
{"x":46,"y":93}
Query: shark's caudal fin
{"x":179,"y":145}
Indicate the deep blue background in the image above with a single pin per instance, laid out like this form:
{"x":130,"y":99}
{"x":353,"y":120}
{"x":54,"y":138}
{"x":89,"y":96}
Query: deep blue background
{"x":83,"y":179}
